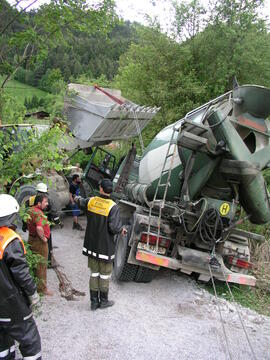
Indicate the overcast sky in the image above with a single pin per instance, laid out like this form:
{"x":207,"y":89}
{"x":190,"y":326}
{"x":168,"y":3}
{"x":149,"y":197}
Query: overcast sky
{"x":135,"y":10}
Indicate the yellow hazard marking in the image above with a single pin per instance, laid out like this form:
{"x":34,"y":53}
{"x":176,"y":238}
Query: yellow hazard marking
{"x":224,"y":209}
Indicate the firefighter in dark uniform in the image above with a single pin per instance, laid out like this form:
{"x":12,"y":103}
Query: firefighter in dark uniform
{"x":103,"y":223}
{"x":17,"y":290}
{"x":51,"y":214}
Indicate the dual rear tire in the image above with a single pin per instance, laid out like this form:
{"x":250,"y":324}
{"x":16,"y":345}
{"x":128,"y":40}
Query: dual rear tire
{"x":123,"y":271}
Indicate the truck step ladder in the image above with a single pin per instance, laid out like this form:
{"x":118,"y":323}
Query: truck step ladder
{"x":162,"y":183}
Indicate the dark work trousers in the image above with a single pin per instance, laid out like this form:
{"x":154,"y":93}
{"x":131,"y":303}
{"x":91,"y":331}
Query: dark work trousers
{"x":50,"y":249}
{"x":40,"y":247}
{"x":100,"y":274}
{"x":27,"y":335}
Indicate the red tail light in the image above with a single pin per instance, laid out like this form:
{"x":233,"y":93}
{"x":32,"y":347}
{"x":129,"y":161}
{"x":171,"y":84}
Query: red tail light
{"x":153,"y":240}
{"x":240,"y":263}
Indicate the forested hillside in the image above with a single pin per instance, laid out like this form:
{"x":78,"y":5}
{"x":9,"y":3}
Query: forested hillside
{"x":76,"y":52}
{"x":80,"y":54}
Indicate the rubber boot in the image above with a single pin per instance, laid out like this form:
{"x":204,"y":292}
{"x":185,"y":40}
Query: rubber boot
{"x":79,"y":227}
{"x":104,"y":302}
{"x":94,"y":300}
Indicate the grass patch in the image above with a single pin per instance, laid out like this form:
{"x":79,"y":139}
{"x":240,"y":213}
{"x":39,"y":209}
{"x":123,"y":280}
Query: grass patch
{"x":21,"y":91}
{"x":257,"y":298}
{"x":252,"y":298}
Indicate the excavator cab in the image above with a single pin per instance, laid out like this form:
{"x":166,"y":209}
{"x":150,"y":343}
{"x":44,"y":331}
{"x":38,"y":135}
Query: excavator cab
{"x":102,"y":164}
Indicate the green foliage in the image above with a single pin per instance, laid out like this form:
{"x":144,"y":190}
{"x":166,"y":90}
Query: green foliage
{"x":235,"y":42}
{"x":230,"y":40}
{"x":159,"y":72}
{"x":33,"y":260}
{"x":26,"y":76}
{"x":19,"y":91}
{"x":101,"y":81}
{"x":24,"y":151}
{"x":49,"y":82}
{"x":34,"y":103}
{"x":55,"y":103}
{"x":78,"y":54}
{"x":121,"y":149}
{"x":80,"y":158}
{"x":11,"y":112}
{"x":35,"y":33}
{"x":252,"y":298}
{"x":188,"y":19}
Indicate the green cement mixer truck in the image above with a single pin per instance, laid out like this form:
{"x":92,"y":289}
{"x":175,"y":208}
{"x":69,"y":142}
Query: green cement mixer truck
{"x":181,"y":200}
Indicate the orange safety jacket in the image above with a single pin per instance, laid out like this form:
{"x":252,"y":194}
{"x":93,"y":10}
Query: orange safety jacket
{"x":6,"y":236}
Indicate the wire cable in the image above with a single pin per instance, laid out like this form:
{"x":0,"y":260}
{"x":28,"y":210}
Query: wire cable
{"x":220,"y":314}
{"x":239,"y":315}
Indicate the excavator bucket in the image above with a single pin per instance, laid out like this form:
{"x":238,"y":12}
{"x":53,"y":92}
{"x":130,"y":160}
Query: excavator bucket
{"x":99,"y":116}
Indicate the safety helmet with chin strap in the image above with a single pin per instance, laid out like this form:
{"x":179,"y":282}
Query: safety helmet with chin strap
{"x":9,"y":208}
{"x":41,"y":187}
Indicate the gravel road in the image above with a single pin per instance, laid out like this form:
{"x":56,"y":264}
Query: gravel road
{"x":170,"y":318}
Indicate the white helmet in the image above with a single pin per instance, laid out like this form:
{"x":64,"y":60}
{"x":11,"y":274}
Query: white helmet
{"x":41,"y":187}
{"x":8,"y":206}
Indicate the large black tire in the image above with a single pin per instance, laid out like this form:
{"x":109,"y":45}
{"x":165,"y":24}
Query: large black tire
{"x":122,"y":270}
{"x":22,"y":195}
{"x":24,"y":192}
{"x":144,"y":275}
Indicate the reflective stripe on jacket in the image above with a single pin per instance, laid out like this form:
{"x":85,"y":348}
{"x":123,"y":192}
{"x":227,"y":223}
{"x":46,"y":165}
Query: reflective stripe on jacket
{"x":16,"y":283}
{"x":103,"y":223}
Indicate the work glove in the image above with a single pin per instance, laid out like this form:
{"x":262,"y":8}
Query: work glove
{"x":34,"y":299}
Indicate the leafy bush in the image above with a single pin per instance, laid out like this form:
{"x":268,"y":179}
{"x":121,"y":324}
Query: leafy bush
{"x":50,"y":80}
{"x":33,"y":260}
{"x":11,"y":112}
{"x":21,"y":153}
{"x":34,"y":103}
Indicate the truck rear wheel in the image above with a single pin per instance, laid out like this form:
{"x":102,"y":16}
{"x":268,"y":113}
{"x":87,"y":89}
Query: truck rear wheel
{"x":144,"y":275}
{"x":122,"y":270}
